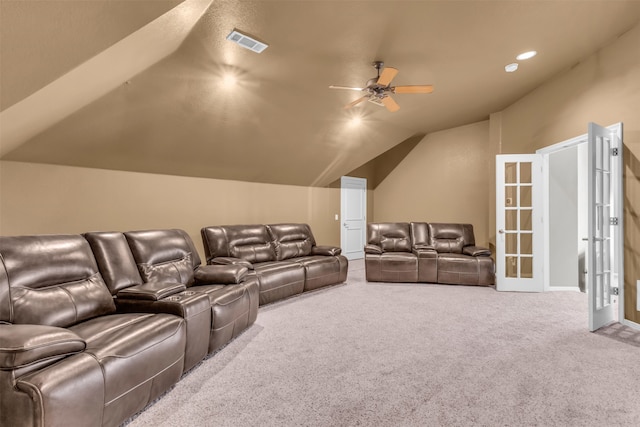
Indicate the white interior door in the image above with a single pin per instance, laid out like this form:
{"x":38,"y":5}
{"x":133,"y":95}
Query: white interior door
{"x":353,"y":210}
{"x":604,"y":260}
{"x":519,"y":239}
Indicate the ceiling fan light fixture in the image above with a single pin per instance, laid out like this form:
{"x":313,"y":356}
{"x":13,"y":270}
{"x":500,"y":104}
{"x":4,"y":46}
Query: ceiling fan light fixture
{"x":246,"y":41}
{"x":510,"y":68}
{"x":355,"y":121}
{"x":526,"y":55}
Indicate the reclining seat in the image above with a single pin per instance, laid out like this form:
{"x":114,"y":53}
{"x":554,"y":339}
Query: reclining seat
{"x":170,"y":256}
{"x":132,"y":295}
{"x":252,"y":246}
{"x":324,"y":265}
{"x":388,"y":253}
{"x":460,"y":261}
{"x":66,"y":357}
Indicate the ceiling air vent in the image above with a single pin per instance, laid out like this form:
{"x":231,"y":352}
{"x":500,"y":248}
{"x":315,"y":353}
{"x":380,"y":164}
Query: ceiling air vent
{"x":246,"y":41}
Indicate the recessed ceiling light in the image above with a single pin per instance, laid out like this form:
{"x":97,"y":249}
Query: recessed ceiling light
{"x":526,"y":55}
{"x":511,"y":67}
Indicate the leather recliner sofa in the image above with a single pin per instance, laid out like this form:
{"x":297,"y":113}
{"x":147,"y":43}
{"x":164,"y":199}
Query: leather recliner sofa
{"x":283,"y":257}
{"x":426,"y":252}
{"x":94,"y":327}
{"x":66,"y":356}
{"x":160,"y":271}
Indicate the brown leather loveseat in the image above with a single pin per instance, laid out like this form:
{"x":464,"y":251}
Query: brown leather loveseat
{"x":94,"y":327}
{"x":426,"y":252}
{"x":283,"y":257}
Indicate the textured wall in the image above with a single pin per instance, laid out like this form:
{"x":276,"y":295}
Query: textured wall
{"x":37,"y":198}
{"x":445,"y":178}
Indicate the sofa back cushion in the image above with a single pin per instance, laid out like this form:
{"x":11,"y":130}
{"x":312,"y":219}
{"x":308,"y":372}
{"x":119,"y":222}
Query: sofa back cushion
{"x":249,"y":242}
{"x":451,"y":238}
{"x":164,"y":255}
{"x":291,"y":240}
{"x":115,"y":260}
{"x":390,"y":236}
{"x":51,"y":280}
{"x":420,"y":234}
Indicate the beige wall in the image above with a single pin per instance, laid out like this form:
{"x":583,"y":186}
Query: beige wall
{"x":38,"y":198}
{"x":443,"y":179}
{"x":604,"y":88}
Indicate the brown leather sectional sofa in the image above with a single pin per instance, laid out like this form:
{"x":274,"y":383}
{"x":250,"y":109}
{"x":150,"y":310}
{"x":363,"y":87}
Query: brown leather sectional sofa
{"x":93,"y":327}
{"x":283,"y":257}
{"x":426,"y":252}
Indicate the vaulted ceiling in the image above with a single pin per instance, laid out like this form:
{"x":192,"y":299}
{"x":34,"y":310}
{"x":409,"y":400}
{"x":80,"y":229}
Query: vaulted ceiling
{"x":280,"y":123}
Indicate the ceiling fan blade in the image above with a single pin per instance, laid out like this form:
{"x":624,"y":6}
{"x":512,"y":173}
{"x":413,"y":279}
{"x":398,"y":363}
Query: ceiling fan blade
{"x":356,"y":102}
{"x":345,"y":87}
{"x":387,"y":75}
{"x":390,"y":104}
{"x":413,"y":89}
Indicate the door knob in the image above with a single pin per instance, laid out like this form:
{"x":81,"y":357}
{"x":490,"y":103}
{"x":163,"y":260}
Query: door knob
{"x":501,"y":231}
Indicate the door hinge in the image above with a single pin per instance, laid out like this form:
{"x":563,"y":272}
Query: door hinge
{"x":614,"y":151}
{"x":613,"y":220}
{"x":614,"y":290}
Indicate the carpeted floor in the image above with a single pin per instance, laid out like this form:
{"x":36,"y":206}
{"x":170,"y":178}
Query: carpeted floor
{"x":374,"y":354}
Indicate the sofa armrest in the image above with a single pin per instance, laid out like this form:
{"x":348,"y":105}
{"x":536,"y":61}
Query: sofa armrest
{"x":326,"y":250}
{"x":424,"y":252}
{"x":151,"y":291}
{"x":373,"y":249}
{"x":220,"y":274}
{"x":22,"y":345}
{"x":422,"y":247}
{"x":476,"y":251}
{"x":228,"y":260}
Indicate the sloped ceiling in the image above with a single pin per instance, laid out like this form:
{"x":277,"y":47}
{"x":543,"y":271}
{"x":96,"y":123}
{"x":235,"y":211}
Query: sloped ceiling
{"x":43,"y":40}
{"x":280,"y":123}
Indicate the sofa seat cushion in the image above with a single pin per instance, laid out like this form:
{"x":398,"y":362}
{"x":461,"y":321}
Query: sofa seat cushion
{"x":141,"y":355}
{"x":279,"y":280}
{"x":392,"y":267}
{"x":463,"y":269}
{"x":320,"y":271}
{"x":233,"y":309}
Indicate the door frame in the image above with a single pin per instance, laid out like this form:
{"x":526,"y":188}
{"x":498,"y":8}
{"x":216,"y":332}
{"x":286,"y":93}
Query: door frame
{"x":618,"y":179}
{"x":343,"y":196}
{"x":546,"y":152}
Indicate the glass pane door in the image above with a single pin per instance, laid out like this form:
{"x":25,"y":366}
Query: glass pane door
{"x":601,"y":220}
{"x":518,"y":232}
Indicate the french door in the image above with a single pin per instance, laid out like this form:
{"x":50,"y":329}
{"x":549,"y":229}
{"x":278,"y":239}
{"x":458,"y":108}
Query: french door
{"x":519,"y":239}
{"x":604,"y":261}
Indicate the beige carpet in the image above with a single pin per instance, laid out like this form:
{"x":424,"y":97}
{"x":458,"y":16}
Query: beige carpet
{"x":372,"y":354}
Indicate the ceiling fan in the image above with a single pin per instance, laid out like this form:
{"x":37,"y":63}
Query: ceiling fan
{"x":379,"y":88}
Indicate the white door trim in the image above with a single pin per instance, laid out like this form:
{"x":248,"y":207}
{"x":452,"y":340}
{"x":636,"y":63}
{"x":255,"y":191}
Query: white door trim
{"x":545,"y":152}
